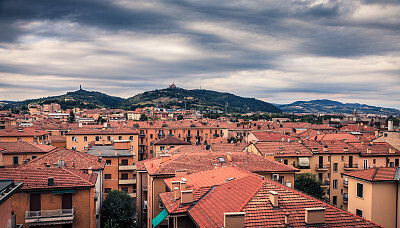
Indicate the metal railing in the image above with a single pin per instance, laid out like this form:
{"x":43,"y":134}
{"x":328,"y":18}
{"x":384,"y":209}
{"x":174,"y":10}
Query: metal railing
{"x":322,"y":166}
{"x":49,"y":213}
{"x":351,"y":166}
{"x":345,"y":182}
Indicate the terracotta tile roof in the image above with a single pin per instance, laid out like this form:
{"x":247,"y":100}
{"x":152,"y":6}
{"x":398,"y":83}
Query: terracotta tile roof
{"x":359,"y":128}
{"x":72,"y":159}
{"x":308,"y":134}
{"x":188,"y":149}
{"x":25,"y":147}
{"x":377,"y":148}
{"x":228,"y":147}
{"x":283,"y":149}
{"x":170,"y":140}
{"x":175,"y":207}
{"x":331,"y":147}
{"x":27,"y":131}
{"x":271,"y":136}
{"x":209,"y":178}
{"x":322,"y":127}
{"x":119,"y":131}
{"x":337,"y":136}
{"x":375,"y":174}
{"x":38,"y":178}
{"x":196,"y":162}
{"x":250,"y":194}
{"x":57,"y":138}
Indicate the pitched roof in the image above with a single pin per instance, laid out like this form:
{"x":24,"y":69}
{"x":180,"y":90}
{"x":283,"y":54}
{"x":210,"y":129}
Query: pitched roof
{"x":283,"y":149}
{"x":224,"y":147}
{"x":38,"y":178}
{"x":376,"y":174}
{"x":271,"y":136}
{"x":196,"y":162}
{"x":330,"y":147}
{"x":25,"y":147}
{"x":71,"y":158}
{"x":337,"y":136}
{"x":376,"y":148}
{"x":21,"y":132}
{"x":118,"y":131}
{"x":170,"y":140}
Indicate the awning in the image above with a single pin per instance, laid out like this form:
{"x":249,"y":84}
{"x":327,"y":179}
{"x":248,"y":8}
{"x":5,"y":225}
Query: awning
{"x":160,"y":217}
{"x":303,"y":162}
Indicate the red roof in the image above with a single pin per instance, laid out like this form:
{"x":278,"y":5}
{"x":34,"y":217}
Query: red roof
{"x":28,"y":131}
{"x":331,"y":147}
{"x":271,"y":136}
{"x":170,"y":140}
{"x":25,"y":147}
{"x":375,"y":174}
{"x":377,"y":148}
{"x":359,"y":128}
{"x":119,"y":131}
{"x":71,"y":158}
{"x":38,"y":178}
{"x":337,"y":136}
{"x":283,"y":149}
{"x":196,"y":162}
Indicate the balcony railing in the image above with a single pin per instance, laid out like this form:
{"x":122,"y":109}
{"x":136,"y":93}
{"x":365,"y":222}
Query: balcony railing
{"x":142,"y":144}
{"x":49,"y":217}
{"x":350,"y":166}
{"x":345,"y":183}
{"x":189,"y":136}
{"x":127,"y":181}
{"x":161,"y":135}
{"x":142,"y":135}
{"x":216,"y":135}
{"x":142,"y":151}
{"x":322,"y":167}
{"x":345,"y":198}
{"x":127,"y":167}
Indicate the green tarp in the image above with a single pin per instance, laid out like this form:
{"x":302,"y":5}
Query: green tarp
{"x":160,"y":217}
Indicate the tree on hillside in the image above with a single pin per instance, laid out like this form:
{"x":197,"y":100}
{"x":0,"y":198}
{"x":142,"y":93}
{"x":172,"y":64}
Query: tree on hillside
{"x":118,"y":210}
{"x":143,"y":117}
{"x":71,"y":117}
{"x":308,"y":183}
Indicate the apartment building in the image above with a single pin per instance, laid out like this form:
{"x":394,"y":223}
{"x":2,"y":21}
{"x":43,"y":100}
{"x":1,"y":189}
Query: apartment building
{"x":248,"y":200}
{"x":26,"y":134}
{"x":53,"y":197}
{"x":391,"y":137}
{"x":151,"y":174}
{"x":169,"y":142}
{"x":120,"y":167}
{"x":20,"y":152}
{"x":7,"y":122}
{"x":373,"y":194}
{"x":7,"y":216}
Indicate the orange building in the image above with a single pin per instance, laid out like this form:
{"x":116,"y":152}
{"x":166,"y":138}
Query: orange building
{"x":26,"y":134}
{"x":53,"y":197}
{"x":7,"y":216}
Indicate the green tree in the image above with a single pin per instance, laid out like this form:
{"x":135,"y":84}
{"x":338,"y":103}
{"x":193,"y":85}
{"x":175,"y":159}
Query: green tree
{"x":100,"y":120}
{"x":179,"y":117}
{"x":143,"y":117}
{"x":118,"y":210}
{"x":71,"y":117}
{"x":308,"y":183}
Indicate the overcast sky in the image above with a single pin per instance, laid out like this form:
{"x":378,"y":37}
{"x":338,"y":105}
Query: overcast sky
{"x":277,"y":51}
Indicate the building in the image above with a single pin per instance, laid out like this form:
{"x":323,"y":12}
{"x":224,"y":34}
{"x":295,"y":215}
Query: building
{"x":7,"y":216}
{"x":373,"y":194}
{"x":246,"y":200}
{"x":26,"y":134}
{"x":166,"y":143}
{"x":151,"y":174}
{"x":53,"y":196}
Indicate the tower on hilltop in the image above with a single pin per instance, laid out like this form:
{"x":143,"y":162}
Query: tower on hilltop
{"x":173,"y":86}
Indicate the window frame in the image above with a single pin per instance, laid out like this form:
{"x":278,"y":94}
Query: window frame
{"x":360,"y":190}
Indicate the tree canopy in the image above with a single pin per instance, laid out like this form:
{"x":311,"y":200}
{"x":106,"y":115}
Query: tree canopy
{"x":118,"y":210}
{"x":310,"y":184}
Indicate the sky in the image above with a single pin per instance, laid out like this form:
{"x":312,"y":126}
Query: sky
{"x":276,"y":51}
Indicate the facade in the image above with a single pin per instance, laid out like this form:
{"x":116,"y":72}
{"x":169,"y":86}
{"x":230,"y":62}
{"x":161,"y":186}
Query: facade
{"x":25,"y":134}
{"x":169,"y":142}
{"x":7,"y":216}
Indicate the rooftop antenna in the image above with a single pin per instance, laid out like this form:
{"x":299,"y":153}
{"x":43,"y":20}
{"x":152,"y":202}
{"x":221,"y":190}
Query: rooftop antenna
{"x":80,"y":87}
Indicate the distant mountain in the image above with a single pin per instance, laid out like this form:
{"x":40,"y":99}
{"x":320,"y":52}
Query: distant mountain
{"x":165,"y":98}
{"x":80,"y":99}
{"x":335,"y":107}
{"x":2,"y":103}
{"x":199,"y":99}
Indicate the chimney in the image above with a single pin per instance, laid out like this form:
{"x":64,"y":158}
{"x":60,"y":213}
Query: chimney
{"x":186,"y":196}
{"x":165,"y":157}
{"x":99,"y":152}
{"x":315,"y":150}
{"x":180,"y":172}
{"x":50,"y":181}
{"x":346,"y":150}
{"x":90,"y":170}
{"x":80,"y":125}
{"x":325,"y":149}
{"x":287,"y":218}
{"x":391,"y":151}
{"x":115,"y":152}
{"x":315,"y":215}
{"x":390,"y":125}
{"x":229,"y":157}
{"x":159,"y":168}
{"x":177,"y":193}
{"x":376,"y":134}
{"x":105,"y":125}
{"x":183,"y":184}
{"x":234,"y":219}
{"x":369,"y":150}
{"x":216,"y":166}
{"x":273,"y":197}
{"x":175,"y":184}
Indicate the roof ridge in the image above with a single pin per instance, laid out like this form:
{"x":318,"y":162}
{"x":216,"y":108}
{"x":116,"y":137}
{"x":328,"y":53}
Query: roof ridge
{"x":252,"y":195}
{"x":374,"y":174}
{"x":75,"y":174}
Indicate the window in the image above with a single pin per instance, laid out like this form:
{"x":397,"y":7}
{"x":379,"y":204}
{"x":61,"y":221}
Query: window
{"x":107,"y":176}
{"x":385,"y":135}
{"x":206,"y":136}
{"x":85,"y":138}
{"x":15,"y":160}
{"x":329,"y":158}
{"x":124,"y":176}
{"x":334,"y":200}
{"x":107,"y":190}
{"x":335,"y":167}
{"x":33,"y":157}
{"x":131,"y":138}
{"x":396,"y":162}
{"x":374,"y":161}
{"x":108,"y":162}
{"x":124,"y":189}
{"x":108,"y":138}
{"x":97,"y":138}
{"x":124,"y":161}
{"x":151,"y":136}
{"x":179,"y":135}
{"x":119,"y":137}
{"x":360,"y":190}
{"x":285,"y":161}
{"x":73,"y":139}
{"x":365,"y":165}
{"x":334,"y":184}
{"x":359,"y":212}
{"x":342,"y":158}
{"x":162,"y":147}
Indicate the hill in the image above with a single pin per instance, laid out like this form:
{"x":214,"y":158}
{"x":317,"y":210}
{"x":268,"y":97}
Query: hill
{"x":80,"y":99}
{"x":199,"y":99}
{"x":335,"y":107}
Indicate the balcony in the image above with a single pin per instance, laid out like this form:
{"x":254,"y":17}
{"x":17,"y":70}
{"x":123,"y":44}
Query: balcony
{"x":345,"y":198}
{"x":170,"y":135}
{"x":346,"y":183}
{"x":49,"y":217}
{"x":127,"y":167}
{"x":142,"y":144}
{"x":322,"y":167}
{"x":189,"y":136}
{"x":216,"y":135}
{"x":198,"y":136}
{"x":142,"y":136}
{"x":132,"y":195}
{"x":127,"y":181}
{"x":161,"y":135}
{"x":350,"y":167}
{"x":142,"y":151}
{"x":325,"y":184}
